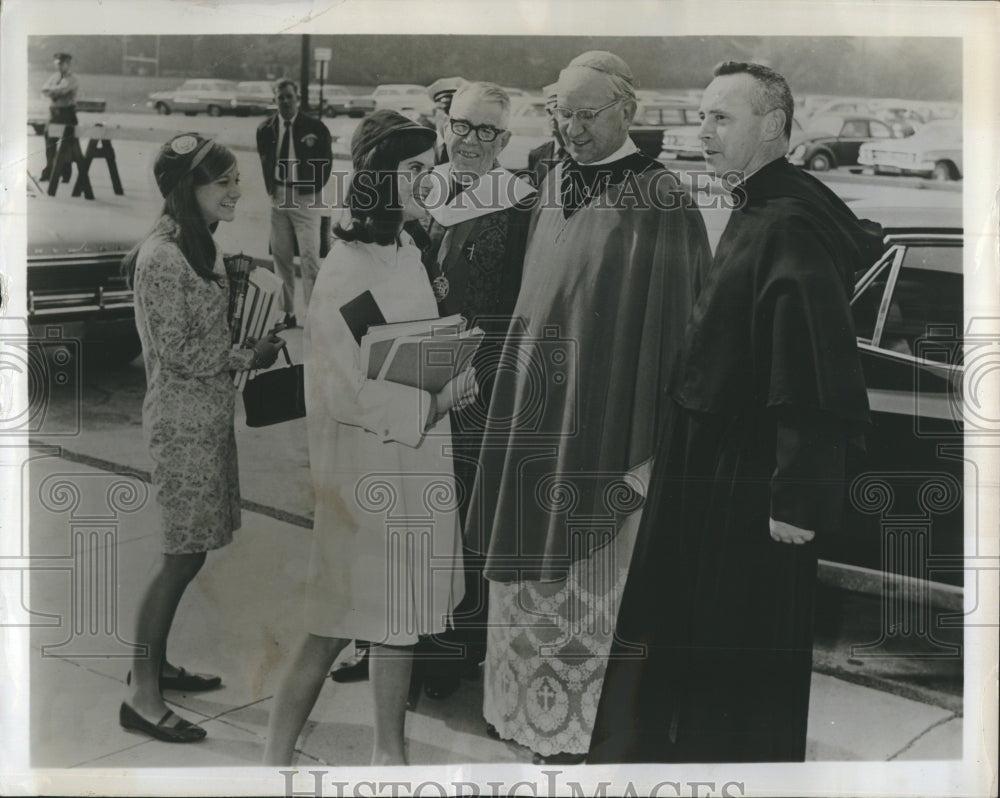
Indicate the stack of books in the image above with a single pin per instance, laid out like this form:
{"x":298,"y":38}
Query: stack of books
{"x":425,"y":354}
{"x":253,"y":304}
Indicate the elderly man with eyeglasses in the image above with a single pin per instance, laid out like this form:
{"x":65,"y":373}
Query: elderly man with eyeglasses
{"x":614,"y":256}
{"x":480,"y":215}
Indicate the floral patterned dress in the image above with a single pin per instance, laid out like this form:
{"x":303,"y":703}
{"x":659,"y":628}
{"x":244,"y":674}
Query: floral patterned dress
{"x":187,"y":415}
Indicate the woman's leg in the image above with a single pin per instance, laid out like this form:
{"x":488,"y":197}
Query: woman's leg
{"x":390,"y":676}
{"x":156,"y":615}
{"x":297,"y":694}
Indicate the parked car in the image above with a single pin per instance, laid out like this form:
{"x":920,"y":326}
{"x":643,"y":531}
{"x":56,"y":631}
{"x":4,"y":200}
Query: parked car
{"x":935,"y":151}
{"x":74,"y":278}
{"x":38,"y":111}
{"x":199,"y":95}
{"x":255,"y":96}
{"x":339,"y":100}
{"x":684,"y":142}
{"x":832,"y":141}
{"x":654,"y":117}
{"x":908,"y":316}
{"x":407,"y":98}
{"x":843,"y":106}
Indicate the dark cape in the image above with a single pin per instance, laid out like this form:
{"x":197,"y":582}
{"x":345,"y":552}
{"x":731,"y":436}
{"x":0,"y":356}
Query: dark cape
{"x":604,"y":297}
{"x":713,"y":652}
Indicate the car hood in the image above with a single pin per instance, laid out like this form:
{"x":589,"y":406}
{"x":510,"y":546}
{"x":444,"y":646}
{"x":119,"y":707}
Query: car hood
{"x":55,"y":230}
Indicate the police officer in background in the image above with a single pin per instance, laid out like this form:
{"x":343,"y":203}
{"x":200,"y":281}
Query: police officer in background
{"x":60,"y":88}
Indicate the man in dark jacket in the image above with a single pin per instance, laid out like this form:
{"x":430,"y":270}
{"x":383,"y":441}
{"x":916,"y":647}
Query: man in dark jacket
{"x":765,"y":397}
{"x":296,"y":156}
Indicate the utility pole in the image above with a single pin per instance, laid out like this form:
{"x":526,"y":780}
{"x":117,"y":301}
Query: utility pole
{"x":305,"y":60}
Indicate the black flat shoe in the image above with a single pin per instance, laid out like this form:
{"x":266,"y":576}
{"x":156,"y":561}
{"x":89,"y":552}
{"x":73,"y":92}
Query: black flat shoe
{"x":182,"y":732}
{"x":491,"y":732}
{"x":352,"y":669}
{"x":185,"y":682}
{"x":190,"y":682}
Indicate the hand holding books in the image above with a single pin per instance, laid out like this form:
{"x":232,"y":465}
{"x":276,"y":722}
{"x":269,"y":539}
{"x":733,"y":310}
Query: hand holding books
{"x":426,"y":354}
{"x":458,"y":393}
{"x":253,"y":308}
{"x":265,"y":351}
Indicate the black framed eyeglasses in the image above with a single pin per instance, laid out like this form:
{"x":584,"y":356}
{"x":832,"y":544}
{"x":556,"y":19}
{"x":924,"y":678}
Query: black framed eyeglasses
{"x":485,"y":133}
{"x":584,"y":115}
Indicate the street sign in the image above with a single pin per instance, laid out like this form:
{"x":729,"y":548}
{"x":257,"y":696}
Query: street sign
{"x":322,"y":53}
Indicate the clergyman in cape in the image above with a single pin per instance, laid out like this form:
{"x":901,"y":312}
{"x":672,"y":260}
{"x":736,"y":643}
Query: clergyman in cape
{"x":615,"y":249}
{"x":765,"y":399}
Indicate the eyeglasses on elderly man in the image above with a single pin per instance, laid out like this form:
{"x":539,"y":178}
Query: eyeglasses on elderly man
{"x":485,"y":133}
{"x":584,"y":115}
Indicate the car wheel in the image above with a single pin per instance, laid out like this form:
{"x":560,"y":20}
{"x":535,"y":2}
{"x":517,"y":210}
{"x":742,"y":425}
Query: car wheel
{"x":943,"y":170}
{"x":163,"y":109}
{"x":820,"y":162}
{"x":214,"y":110}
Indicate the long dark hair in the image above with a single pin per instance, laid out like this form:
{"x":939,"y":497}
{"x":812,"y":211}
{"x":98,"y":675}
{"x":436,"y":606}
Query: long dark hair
{"x":195,"y":237}
{"x":373,"y":195}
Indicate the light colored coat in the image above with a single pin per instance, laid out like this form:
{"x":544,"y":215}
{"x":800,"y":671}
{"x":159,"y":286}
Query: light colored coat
{"x":386,"y":561}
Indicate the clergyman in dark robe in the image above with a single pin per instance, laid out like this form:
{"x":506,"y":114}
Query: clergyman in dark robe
{"x":479,"y":226}
{"x":765,"y":398}
{"x":614,"y":250}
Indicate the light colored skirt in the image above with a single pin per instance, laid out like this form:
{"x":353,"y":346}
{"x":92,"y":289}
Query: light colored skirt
{"x":547,"y":650}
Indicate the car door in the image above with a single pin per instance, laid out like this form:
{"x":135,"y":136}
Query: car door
{"x":187,"y":96}
{"x":853,"y":134}
{"x":908,"y":316}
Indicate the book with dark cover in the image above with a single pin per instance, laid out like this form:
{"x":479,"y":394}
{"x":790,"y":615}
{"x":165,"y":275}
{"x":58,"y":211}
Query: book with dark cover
{"x":361,"y":313}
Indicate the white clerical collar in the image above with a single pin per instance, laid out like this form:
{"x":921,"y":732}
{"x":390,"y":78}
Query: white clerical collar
{"x":496,"y":190}
{"x":626,"y":149}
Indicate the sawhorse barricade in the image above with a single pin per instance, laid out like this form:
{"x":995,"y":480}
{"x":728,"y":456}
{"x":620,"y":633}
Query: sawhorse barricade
{"x":99,"y":146}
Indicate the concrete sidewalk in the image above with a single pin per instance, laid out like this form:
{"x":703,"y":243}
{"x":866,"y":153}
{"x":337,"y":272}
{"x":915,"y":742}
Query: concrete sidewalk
{"x":93,"y":536}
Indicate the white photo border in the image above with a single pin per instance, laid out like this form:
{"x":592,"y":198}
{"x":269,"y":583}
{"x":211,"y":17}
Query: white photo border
{"x":976,"y":23}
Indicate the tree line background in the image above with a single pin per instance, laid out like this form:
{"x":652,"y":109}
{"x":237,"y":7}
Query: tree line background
{"x":906,"y":67}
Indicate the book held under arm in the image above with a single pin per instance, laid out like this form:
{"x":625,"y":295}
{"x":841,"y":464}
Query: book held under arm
{"x":424,"y":354}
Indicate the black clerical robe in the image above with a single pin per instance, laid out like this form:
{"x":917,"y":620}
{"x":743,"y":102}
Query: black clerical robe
{"x":766,"y":395}
{"x":605,"y":293}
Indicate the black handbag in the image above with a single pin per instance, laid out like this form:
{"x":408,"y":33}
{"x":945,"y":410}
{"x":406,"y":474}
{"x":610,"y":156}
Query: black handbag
{"x":276,"y":396}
